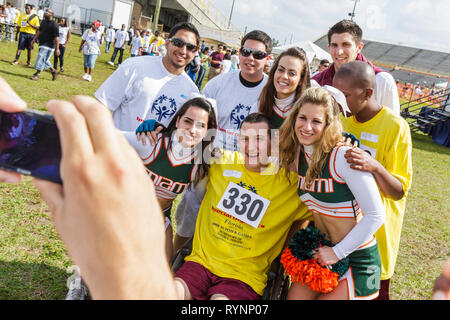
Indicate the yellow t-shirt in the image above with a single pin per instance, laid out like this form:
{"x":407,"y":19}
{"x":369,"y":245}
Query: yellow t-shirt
{"x":160,"y":41}
{"x":24,"y":26}
{"x":225,"y":244}
{"x":387,"y":137}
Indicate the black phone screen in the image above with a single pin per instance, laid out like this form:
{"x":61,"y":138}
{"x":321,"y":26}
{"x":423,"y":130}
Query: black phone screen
{"x":29,"y":144}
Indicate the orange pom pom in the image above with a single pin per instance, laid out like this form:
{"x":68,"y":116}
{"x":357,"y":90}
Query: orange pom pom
{"x":309,"y":273}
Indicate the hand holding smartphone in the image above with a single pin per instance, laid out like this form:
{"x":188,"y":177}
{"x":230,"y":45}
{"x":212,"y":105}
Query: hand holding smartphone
{"x":30,"y":145}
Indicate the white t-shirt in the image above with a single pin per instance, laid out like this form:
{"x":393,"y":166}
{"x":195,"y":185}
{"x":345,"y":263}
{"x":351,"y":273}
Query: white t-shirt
{"x":136,"y":44}
{"x":386,"y":92}
{"x":121,"y":38}
{"x":110,"y":34}
{"x":10,"y":15}
{"x":92,"y":45}
{"x":234,"y":62}
{"x":63,"y":34}
{"x":234,"y":103}
{"x":141,"y":89}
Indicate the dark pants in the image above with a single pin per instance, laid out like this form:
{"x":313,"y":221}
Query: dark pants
{"x":60,"y":58}
{"x":113,"y":57}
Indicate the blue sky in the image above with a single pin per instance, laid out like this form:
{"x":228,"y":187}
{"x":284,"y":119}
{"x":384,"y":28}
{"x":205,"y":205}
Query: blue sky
{"x":416,"y":23}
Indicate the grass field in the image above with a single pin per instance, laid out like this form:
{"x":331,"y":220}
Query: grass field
{"x":33,"y":260}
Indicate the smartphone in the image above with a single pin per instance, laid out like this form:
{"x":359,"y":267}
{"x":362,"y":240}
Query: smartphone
{"x":30,"y":145}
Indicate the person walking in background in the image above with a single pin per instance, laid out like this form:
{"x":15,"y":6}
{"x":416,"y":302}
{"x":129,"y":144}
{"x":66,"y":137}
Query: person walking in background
{"x":10,"y":12}
{"x":193,"y":67}
{"x":153,"y":47}
{"x":345,"y":45}
{"x":120,"y":41}
{"x":64,"y":37}
{"x":225,"y":65}
{"x":110,"y":35}
{"x":204,"y":65}
{"x":215,"y":59}
{"x":234,"y":60}
{"x":48,"y":36}
{"x":324,"y":63}
{"x":90,"y":44}
{"x":28,"y":24}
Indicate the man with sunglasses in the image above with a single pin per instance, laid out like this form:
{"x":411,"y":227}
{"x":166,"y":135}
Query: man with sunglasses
{"x":236,"y":94}
{"x":152,"y":87}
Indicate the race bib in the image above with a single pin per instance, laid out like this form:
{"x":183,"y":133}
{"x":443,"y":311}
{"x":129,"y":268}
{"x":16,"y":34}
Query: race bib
{"x":23,"y":24}
{"x":243,"y":204}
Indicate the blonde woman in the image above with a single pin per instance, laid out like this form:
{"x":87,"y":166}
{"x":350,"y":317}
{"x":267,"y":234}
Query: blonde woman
{"x":346,"y":205}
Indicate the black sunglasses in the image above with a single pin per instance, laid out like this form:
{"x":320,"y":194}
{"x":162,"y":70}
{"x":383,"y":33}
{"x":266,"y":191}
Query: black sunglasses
{"x":180,"y":43}
{"x":257,"y":54}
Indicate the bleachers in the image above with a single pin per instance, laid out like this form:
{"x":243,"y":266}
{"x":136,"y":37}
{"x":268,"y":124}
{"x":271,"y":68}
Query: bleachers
{"x":429,"y":117}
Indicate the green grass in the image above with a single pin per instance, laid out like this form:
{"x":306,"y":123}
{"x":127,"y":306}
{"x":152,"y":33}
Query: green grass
{"x":33,"y":260}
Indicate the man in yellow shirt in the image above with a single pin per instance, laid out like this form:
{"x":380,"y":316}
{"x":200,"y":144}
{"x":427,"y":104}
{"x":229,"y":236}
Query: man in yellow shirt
{"x":385,"y":151}
{"x":28,"y":24}
{"x":243,"y":222}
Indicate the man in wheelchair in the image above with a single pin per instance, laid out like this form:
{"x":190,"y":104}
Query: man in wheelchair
{"x":243,"y":222}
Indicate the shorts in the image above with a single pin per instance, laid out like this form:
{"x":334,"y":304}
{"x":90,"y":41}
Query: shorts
{"x":25,"y":41}
{"x":203,"y":284}
{"x":89,"y":60}
{"x":43,"y":58}
{"x":363,"y":275}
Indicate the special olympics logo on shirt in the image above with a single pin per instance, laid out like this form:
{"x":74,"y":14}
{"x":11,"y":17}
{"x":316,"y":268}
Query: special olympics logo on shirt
{"x":238,"y":115}
{"x":164,"y":107}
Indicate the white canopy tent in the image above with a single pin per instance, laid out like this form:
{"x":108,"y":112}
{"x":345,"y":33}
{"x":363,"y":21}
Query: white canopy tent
{"x":313,"y":52}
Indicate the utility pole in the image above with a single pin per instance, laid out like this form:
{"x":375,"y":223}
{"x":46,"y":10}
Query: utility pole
{"x":156,"y":15}
{"x":231,"y":14}
{"x":352,"y":14}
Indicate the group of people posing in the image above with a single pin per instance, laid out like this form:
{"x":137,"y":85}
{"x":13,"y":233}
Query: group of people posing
{"x":258,"y":160}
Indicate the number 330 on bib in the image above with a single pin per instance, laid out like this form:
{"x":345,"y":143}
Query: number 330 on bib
{"x":243,"y":204}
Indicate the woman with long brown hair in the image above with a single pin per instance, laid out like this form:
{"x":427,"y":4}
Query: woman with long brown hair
{"x":345,"y":203}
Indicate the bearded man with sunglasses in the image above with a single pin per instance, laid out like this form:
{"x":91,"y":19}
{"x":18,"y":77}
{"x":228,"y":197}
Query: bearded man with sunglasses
{"x":152,"y":87}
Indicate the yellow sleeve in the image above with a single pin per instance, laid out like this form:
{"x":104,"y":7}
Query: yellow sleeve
{"x":399,"y":163}
{"x":36,"y":21}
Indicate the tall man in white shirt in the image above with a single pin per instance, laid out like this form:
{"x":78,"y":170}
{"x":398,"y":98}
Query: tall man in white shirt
{"x":120,"y":41}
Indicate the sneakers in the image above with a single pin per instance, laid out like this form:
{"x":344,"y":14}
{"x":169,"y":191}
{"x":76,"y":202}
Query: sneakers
{"x":77,"y":289}
{"x":15,"y":63}
{"x":35,"y":76}
{"x":84,"y":77}
{"x":110,"y":63}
